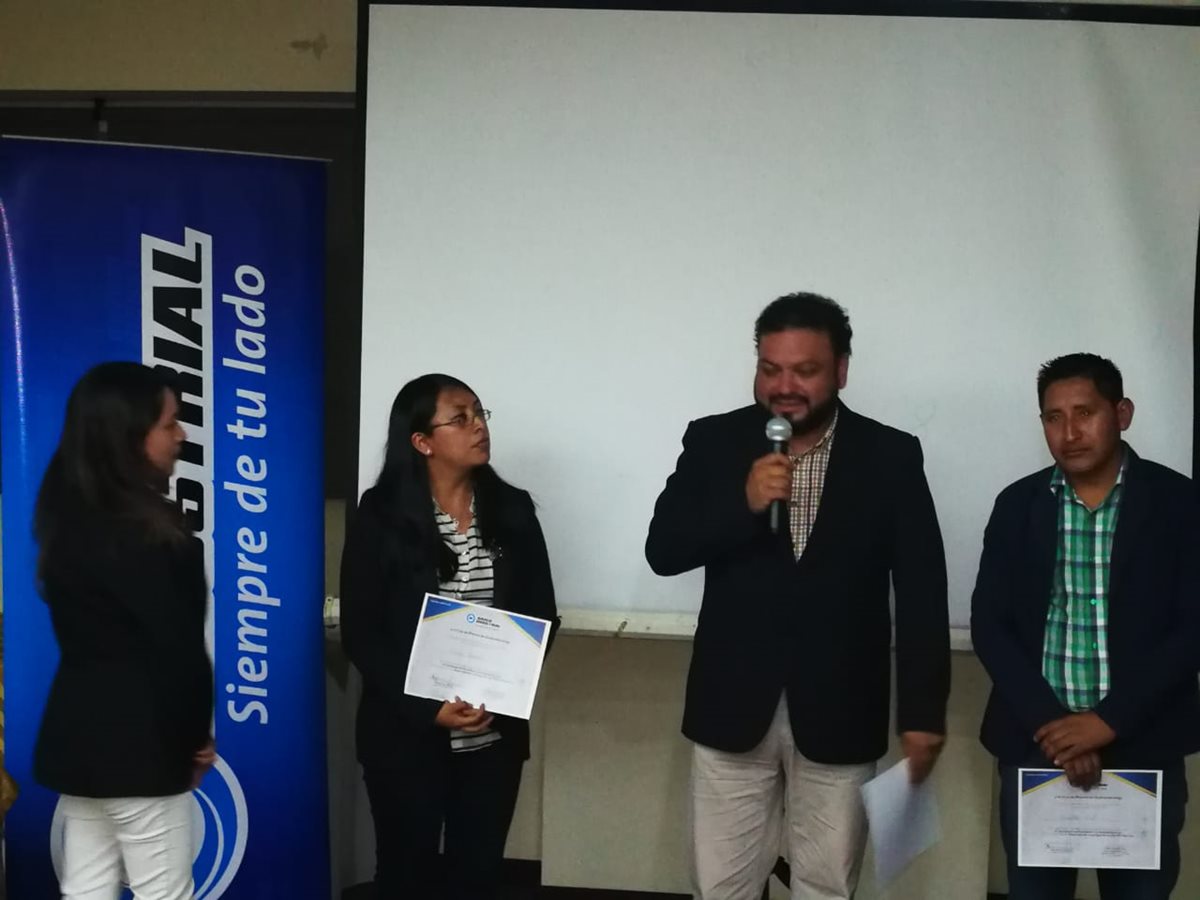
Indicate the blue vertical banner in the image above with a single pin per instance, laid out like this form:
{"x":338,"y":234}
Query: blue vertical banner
{"x":210,"y":264}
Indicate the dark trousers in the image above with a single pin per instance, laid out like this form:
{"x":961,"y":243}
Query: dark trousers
{"x":1033,"y":883}
{"x":471,"y":794}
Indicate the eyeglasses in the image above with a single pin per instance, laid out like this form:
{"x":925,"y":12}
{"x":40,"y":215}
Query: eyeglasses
{"x":462,"y":420}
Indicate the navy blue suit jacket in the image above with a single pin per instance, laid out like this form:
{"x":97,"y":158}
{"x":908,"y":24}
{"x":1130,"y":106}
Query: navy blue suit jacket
{"x":1153,"y":618}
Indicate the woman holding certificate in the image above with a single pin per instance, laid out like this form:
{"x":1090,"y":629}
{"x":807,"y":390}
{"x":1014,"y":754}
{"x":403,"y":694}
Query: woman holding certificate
{"x":438,"y":520}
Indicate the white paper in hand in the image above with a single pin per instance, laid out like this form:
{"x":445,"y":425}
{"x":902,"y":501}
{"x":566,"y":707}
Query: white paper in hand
{"x":903,"y":820}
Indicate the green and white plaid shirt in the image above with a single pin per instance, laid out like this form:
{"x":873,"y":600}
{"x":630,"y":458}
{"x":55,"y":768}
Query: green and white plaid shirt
{"x":1075,"y":653}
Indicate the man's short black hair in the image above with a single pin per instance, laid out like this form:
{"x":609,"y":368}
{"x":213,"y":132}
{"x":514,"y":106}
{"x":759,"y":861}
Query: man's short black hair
{"x":804,"y":310}
{"x":1102,"y":373}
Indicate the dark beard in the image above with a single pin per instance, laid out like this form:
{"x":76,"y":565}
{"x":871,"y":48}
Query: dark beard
{"x":817,"y":417}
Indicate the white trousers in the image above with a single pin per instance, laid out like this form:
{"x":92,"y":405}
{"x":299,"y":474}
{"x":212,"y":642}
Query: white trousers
{"x":741,"y":802}
{"x":144,"y":841}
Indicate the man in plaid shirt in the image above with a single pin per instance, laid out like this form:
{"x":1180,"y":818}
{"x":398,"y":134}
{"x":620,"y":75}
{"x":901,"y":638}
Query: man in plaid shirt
{"x":1086,"y":614}
{"x":788,"y":721}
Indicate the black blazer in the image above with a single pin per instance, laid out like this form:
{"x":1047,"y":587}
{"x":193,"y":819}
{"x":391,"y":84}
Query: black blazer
{"x":383,"y":585}
{"x":1154,"y":618}
{"x":131,"y":701}
{"x":820,"y":628}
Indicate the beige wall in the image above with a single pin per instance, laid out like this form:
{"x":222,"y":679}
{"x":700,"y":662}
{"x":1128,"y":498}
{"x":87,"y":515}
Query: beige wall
{"x":189,"y":45}
{"x":604,"y":799}
{"x":173,"y":45}
{"x":614,"y":779}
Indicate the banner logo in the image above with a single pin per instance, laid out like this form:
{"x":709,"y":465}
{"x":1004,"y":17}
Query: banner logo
{"x":221,"y":831}
{"x":177,"y":337}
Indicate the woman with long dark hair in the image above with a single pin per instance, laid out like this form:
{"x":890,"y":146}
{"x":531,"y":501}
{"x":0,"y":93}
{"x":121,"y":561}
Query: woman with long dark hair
{"x":125,"y":734}
{"x":438,"y":520}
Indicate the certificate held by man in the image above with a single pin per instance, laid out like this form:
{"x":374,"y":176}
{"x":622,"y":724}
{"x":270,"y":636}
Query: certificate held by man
{"x":483,"y":655}
{"x":1114,"y":825}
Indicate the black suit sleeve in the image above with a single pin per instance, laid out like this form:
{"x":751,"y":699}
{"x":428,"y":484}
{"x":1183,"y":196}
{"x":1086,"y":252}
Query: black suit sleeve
{"x":702,"y":513}
{"x":1142,"y":693}
{"x":922,"y":620}
{"x":1017,"y":677}
{"x":378,"y":644}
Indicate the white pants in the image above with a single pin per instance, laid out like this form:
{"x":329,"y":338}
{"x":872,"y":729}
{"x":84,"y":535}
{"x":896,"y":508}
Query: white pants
{"x":740,"y":802}
{"x":146,"y":841}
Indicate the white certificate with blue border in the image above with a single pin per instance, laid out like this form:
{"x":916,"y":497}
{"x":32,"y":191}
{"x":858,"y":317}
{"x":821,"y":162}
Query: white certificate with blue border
{"x":480,"y":654}
{"x":1114,"y":825}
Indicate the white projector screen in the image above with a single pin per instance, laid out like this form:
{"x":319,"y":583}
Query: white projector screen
{"x":581,"y":212}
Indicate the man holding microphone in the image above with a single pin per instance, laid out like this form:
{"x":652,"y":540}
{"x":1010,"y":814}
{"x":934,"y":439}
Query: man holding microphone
{"x":800,"y":538}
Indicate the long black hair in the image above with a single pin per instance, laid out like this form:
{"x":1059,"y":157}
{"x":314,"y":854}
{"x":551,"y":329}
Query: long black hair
{"x":99,"y":468}
{"x":406,"y":502}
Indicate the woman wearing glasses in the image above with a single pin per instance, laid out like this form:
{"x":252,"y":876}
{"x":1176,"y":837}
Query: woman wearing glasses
{"x":438,"y":520}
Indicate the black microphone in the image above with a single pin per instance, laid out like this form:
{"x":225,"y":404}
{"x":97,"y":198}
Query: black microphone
{"x":779,"y":432}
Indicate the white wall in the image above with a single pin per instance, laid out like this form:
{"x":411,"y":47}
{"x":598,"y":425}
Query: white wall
{"x":584,"y":223}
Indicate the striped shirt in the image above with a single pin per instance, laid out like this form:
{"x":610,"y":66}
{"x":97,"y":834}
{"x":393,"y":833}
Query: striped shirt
{"x":808,"y":483}
{"x":473,"y":582}
{"x":1075,"y":651}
